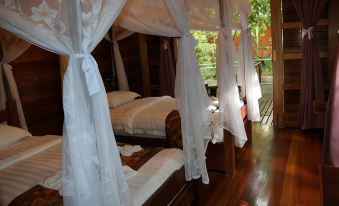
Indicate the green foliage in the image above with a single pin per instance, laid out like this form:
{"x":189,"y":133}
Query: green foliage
{"x":261,"y":15}
{"x":209,"y":73}
{"x":205,"y":46}
{"x":267,"y":65}
{"x":206,"y":50}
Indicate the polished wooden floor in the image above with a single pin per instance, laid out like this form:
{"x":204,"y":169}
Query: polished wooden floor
{"x":279,"y":167}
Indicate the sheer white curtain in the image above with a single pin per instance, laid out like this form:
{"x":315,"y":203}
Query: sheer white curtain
{"x":229,"y":99}
{"x":12,"y":47}
{"x":191,"y":96}
{"x":204,"y":15}
{"x":92,"y":170}
{"x":148,"y":17}
{"x":247,"y":74}
{"x":118,"y":34}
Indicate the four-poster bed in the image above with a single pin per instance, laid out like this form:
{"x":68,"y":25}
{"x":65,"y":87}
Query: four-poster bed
{"x":159,"y":124}
{"x":92,"y":172}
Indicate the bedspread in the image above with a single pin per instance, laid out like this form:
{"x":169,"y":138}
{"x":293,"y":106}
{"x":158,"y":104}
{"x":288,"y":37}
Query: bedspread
{"x":144,"y":116}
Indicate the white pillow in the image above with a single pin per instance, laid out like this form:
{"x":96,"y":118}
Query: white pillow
{"x":117,"y":98}
{"x":9,"y":135}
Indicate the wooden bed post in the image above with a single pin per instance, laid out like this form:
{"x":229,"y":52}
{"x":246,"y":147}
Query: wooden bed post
{"x":12,"y":111}
{"x":229,"y":153}
{"x":228,"y":139}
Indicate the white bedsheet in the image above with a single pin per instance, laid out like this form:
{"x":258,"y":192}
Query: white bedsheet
{"x":25,"y":148}
{"x":144,"y":116}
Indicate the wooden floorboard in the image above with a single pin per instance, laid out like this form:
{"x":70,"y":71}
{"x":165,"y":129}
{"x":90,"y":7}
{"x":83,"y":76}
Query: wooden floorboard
{"x":279,"y":167}
{"x":266,"y":111}
{"x":266,"y":105}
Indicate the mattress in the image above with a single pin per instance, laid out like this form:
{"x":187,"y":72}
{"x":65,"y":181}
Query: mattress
{"x":44,"y":166}
{"x":143,"y":116}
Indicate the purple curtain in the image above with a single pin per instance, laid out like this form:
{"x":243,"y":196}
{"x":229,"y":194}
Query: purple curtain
{"x":331,"y":133}
{"x":312,"y":87}
{"x":167,"y":68}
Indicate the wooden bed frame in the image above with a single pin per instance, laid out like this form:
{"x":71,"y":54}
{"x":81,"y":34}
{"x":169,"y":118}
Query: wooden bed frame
{"x":173,"y":134}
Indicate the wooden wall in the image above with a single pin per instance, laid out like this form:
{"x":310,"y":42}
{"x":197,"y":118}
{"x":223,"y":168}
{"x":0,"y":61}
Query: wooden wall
{"x":129,"y":49}
{"x":153,"y":52}
{"x":37,"y":75}
{"x":287,"y":56}
{"x":141,"y":57}
{"x":103,"y":55}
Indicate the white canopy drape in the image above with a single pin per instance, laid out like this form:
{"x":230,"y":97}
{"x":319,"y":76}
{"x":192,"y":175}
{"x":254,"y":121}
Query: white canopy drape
{"x":92,"y":170}
{"x":117,"y":35}
{"x":12,"y":47}
{"x":247,"y":74}
{"x":148,"y":17}
{"x":229,"y":100}
{"x":191,"y":96}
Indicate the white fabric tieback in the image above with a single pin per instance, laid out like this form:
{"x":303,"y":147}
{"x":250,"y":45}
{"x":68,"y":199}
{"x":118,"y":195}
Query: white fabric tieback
{"x":88,"y":66}
{"x":307,"y":32}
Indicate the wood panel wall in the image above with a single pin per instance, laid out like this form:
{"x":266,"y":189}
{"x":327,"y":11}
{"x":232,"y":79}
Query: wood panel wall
{"x":37,"y":75}
{"x":287,"y":54}
{"x":141,"y":57}
{"x":153,"y":51}
{"x":129,"y":49}
{"x":103,"y":54}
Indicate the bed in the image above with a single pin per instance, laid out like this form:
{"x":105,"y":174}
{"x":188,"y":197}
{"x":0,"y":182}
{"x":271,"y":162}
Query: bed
{"x":155,"y":121}
{"x":29,"y":162}
{"x":152,"y":120}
